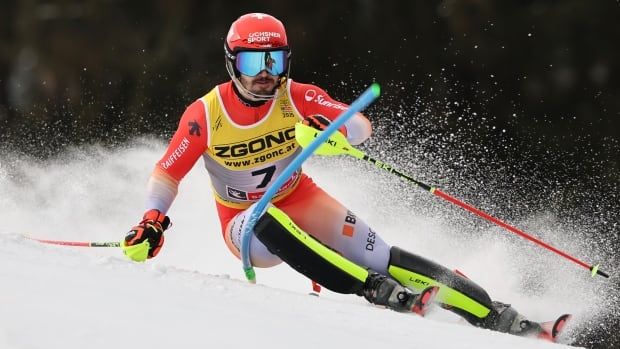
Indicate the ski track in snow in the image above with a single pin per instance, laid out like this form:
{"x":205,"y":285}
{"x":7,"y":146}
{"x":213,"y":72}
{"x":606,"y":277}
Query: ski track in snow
{"x":194,"y":294}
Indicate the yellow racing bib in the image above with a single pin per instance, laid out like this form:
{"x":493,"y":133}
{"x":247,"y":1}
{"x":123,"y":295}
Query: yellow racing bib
{"x":242,"y":160}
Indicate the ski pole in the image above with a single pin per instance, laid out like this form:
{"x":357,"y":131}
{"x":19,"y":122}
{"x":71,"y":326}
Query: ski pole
{"x":337,"y":144}
{"x":77,"y":243}
{"x":367,"y":97}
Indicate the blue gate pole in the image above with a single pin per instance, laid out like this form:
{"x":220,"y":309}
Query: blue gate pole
{"x":364,"y":100}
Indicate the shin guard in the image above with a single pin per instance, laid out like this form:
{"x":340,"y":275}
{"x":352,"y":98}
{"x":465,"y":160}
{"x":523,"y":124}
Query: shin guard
{"x":456,"y":292}
{"x":307,"y":255}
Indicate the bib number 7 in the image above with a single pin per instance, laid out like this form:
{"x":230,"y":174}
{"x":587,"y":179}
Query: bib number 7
{"x":267,"y":172}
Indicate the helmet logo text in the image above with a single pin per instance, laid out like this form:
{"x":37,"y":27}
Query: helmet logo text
{"x":262,"y":36}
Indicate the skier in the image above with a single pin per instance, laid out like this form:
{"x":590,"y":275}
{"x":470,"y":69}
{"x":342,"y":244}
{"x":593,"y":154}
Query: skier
{"x":244,"y":131}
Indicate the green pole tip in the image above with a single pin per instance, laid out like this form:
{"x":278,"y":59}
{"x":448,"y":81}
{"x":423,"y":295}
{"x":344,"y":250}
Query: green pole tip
{"x":376,"y":89}
{"x":250,"y":275}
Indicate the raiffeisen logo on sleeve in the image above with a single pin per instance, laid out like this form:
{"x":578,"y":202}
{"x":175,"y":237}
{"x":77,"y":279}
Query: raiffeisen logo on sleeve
{"x":312,"y":96}
{"x":262,"y":36}
{"x":178,"y":152}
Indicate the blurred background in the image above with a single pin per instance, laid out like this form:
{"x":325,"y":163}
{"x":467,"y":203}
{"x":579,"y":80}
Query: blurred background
{"x":514,"y":106}
{"x":78,"y":71}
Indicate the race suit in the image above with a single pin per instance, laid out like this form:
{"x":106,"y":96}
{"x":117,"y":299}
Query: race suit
{"x":244,"y":149}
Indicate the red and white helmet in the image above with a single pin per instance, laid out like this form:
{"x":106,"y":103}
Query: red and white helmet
{"x":256,"y":32}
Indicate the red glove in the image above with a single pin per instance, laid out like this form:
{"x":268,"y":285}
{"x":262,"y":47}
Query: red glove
{"x":146,"y":239}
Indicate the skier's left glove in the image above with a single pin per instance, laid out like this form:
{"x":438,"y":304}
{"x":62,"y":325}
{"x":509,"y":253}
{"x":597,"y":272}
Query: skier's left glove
{"x":146,"y":239}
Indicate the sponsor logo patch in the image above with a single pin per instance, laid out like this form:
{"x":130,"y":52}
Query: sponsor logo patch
{"x":218,"y":123}
{"x":236,"y":193}
{"x":255,"y":146}
{"x":287,"y":110}
{"x":194,"y":128}
{"x":348,"y":229}
{"x":178,"y":152}
{"x":310,"y":94}
{"x":370,"y":240}
{"x":262,"y":36}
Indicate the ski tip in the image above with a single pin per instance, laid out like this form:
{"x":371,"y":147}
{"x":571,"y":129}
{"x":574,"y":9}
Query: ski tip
{"x":424,"y":300}
{"x":559,"y":324}
{"x":433,"y":290}
{"x":552,"y":329}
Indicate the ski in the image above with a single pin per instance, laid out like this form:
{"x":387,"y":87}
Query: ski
{"x":424,"y":300}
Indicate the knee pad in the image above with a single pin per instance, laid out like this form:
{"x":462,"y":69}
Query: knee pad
{"x":307,"y":255}
{"x":455,"y":291}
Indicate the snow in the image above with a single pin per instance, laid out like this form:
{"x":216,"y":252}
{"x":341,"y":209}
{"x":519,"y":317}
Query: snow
{"x":194,"y":294}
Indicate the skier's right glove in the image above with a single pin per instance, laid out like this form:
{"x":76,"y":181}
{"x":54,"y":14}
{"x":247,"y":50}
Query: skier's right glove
{"x":146,"y":239}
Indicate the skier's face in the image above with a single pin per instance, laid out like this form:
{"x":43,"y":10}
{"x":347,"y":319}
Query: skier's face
{"x":261,"y":84}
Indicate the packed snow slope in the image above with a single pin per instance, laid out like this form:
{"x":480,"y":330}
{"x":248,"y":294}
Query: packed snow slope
{"x":69,"y":299}
{"x":193,"y":295}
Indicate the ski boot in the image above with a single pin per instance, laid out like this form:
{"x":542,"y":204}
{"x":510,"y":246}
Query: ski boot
{"x":381,"y":290}
{"x":505,"y":318}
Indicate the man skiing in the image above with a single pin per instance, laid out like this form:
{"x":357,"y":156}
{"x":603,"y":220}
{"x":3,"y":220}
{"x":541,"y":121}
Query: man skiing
{"x":244,"y":130}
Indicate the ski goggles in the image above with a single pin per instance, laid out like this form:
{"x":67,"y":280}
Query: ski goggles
{"x":251,"y":63}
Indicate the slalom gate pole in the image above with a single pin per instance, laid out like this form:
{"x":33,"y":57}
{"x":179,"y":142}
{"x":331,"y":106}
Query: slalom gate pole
{"x":365,"y":99}
{"x":337,"y":144}
{"x":76,"y":243}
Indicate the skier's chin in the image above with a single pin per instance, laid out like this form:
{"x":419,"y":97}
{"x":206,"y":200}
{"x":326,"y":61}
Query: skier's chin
{"x":263,"y":87}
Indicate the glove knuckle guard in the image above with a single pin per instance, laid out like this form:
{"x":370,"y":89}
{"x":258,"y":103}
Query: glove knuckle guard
{"x":135,"y":236}
{"x":317,"y":121}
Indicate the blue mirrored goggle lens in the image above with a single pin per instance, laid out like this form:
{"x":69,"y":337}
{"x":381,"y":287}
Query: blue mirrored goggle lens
{"x":251,"y":63}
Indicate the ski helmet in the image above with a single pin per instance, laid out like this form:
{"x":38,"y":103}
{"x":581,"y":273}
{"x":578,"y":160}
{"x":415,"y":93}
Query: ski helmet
{"x":257,"y":42}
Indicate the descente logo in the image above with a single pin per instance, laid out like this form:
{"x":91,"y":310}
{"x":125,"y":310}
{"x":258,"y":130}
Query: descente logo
{"x":254,"y":146}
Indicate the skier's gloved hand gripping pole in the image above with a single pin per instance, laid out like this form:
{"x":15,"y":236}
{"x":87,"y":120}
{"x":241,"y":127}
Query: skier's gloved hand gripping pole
{"x":338,"y":145}
{"x":359,"y":104}
{"x":142,"y":242}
